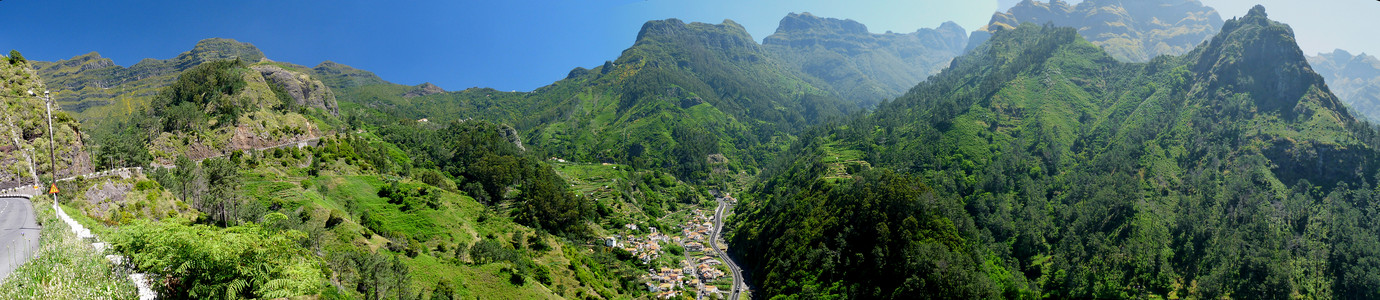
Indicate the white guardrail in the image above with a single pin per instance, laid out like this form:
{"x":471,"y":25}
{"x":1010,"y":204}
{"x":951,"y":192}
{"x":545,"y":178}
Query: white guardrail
{"x":141,"y":280}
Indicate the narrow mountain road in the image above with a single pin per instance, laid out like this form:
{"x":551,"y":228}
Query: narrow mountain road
{"x":739,"y":285}
{"x":18,"y":233}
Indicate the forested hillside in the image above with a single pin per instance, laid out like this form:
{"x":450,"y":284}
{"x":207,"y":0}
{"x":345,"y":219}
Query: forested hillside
{"x":1040,"y":166}
{"x":24,"y":136}
{"x":257,"y":185}
{"x":95,"y":89}
{"x":216,"y":108}
{"x":384,"y":208}
{"x":693,"y":99}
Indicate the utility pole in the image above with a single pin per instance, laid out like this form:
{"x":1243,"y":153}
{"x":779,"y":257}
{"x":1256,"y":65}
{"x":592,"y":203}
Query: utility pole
{"x":52,"y":142}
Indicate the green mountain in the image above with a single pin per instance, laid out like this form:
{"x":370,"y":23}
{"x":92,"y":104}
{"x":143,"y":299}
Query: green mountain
{"x":697,"y":99}
{"x":1354,"y":78}
{"x":842,"y":57}
{"x":1040,"y":166}
{"x":377,"y":208}
{"x":97,"y":90}
{"x":1134,"y":31}
{"x":478,"y":200}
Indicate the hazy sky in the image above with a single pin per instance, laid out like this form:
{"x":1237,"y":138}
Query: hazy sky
{"x":513,"y":44}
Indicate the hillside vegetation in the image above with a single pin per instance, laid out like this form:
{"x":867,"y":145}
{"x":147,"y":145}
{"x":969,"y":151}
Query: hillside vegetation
{"x":1040,"y":166}
{"x":25,"y":142}
{"x":698,"y":100}
{"x":96,"y":90}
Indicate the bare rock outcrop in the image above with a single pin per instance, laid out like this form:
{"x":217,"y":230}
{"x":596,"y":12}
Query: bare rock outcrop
{"x":423,"y":90}
{"x":305,"y":90}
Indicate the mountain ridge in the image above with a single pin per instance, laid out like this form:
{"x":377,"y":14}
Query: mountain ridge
{"x":862,"y":67}
{"x":1045,"y":167}
{"x":1354,"y":78}
{"x":1133,"y":31}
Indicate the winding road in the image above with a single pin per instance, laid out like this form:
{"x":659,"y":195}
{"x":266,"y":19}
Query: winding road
{"x":18,"y":233}
{"x":739,"y":285}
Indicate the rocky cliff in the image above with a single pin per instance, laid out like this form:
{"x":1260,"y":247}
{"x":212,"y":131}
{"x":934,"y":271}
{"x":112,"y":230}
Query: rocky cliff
{"x":1354,"y":78}
{"x":300,"y":86}
{"x":845,"y":58}
{"x":1128,"y":30}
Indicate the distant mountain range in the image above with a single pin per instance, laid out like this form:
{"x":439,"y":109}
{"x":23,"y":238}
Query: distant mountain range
{"x":1134,"y":31}
{"x":94,"y":87}
{"x":1038,"y":166}
{"x":860,"y":66}
{"x":1354,"y":78}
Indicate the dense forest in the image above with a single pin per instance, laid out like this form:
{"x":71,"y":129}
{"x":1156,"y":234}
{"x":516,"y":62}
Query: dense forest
{"x":1038,"y":166}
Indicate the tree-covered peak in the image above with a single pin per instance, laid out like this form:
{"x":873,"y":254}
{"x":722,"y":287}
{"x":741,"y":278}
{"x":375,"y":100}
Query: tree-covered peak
{"x":339,"y":75}
{"x":808,"y":23}
{"x":727,"y":35}
{"x":1261,"y":57}
{"x":217,"y":49}
{"x":1257,"y":12}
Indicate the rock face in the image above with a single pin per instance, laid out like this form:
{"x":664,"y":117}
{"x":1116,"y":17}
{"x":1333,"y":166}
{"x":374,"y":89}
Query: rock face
{"x":842,"y":56}
{"x":1128,"y":30}
{"x":301,"y":87}
{"x":423,"y":90}
{"x":24,"y":132}
{"x":1355,"y":79}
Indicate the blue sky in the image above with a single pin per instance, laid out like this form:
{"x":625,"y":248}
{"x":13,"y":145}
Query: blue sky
{"x":508,"y":45}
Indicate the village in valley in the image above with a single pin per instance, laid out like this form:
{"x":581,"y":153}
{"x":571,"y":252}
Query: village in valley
{"x":675,"y":248}
{"x":693,"y":266}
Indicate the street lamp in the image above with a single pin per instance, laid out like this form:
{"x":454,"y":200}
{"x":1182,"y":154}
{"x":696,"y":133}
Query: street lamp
{"x":52,"y":142}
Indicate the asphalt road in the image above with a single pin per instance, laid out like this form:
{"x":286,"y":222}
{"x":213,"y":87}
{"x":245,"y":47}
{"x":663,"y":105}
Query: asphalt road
{"x":738,"y":284}
{"x":18,"y":234}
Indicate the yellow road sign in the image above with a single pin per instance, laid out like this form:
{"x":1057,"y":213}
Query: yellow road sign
{"x":53,"y":189}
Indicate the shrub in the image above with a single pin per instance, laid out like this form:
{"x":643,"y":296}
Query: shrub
{"x":206,"y":262}
{"x":16,"y":58}
{"x":144,"y":185}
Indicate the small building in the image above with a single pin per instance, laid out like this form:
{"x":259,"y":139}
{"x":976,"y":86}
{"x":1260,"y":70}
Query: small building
{"x":611,"y":242}
{"x":694,"y":247}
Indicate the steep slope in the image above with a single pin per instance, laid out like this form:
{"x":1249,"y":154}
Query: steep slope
{"x":97,"y":90}
{"x":24,"y":134}
{"x":1134,"y":31}
{"x":681,"y":95}
{"x":1214,"y":174}
{"x":843,"y":57}
{"x":1354,"y":78}
{"x":220,"y":107}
